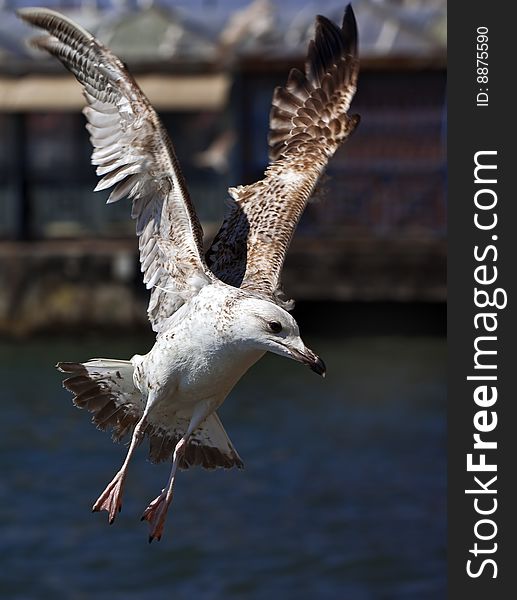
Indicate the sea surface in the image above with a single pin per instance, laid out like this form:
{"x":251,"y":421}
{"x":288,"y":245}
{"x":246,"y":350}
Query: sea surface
{"x":342,"y":496}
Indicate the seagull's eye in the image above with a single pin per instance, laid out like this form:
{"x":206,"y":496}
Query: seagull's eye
{"x":275,"y":326}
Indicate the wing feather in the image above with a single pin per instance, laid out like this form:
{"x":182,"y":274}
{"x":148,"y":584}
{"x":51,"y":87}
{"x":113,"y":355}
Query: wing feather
{"x":308,"y":121}
{"x":133,"y":154}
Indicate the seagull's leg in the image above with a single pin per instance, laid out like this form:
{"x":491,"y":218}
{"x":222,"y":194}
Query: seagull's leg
{"x":156,"y":512}
{"x":111,"y":497}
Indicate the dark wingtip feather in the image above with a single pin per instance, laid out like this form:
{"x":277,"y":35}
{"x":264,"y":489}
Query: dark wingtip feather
{"x":349,"y":29}
{"x":55,"y":23}
{"x":328,"y":34}
{"x":330,"y":44}
{"x":29,"y":15}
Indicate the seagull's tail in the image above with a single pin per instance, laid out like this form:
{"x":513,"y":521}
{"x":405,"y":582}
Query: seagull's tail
{"x":209,"y":445}
{"x":105,"y":387}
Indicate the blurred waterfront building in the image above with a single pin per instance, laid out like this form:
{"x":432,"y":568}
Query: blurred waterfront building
{"x":377,"y":228}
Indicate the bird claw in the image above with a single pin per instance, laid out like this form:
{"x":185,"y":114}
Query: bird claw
{"x":155,"y":514}
{"x":111,"y":499}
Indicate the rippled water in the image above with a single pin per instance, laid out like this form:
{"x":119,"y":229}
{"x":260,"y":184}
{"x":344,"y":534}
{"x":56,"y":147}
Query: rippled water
{"x":342,"y":497}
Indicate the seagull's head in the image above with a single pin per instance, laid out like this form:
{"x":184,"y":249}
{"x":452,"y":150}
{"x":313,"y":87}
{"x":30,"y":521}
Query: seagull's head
{"x":268,"y":327}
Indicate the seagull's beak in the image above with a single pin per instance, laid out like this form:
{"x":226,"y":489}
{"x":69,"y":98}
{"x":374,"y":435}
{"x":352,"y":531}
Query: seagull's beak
{"x":298,"y":351}
{"x":307,"y":357}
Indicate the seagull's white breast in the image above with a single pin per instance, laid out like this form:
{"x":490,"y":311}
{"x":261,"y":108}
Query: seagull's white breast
{"x":195,"y":358}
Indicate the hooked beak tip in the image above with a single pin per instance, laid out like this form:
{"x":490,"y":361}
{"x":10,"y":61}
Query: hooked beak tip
{"x":318,"y":366}
{"x":314,"y":362}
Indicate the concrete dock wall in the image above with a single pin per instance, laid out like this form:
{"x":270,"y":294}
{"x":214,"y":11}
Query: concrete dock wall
{"x":82,"y":285}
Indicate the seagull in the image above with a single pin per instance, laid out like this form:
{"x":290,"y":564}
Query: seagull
{"x":216,"y":315}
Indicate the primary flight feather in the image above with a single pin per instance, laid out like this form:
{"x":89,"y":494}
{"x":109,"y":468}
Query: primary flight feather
{"x":214,"y":317}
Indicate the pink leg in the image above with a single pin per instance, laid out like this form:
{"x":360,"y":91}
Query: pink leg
{"x":156,"y":513}
{"x":111,"y":498}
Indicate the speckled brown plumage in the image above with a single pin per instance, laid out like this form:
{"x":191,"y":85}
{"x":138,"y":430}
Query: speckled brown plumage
{"x":133,"y":153}
{"x":308,"y":122}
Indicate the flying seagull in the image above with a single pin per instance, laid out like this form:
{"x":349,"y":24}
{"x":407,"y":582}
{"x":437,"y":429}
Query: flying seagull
{"x":214,"y":315}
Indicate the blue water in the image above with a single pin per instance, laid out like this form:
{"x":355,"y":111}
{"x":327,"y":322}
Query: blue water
{"x":342,"y":495}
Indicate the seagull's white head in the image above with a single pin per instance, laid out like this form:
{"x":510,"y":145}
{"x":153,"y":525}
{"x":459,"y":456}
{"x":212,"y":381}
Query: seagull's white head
{"x":266,"y":326}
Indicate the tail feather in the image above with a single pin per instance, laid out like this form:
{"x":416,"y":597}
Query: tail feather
{"x":211,"y":447}
{"x":105,"y":388}
{"x":208,"y":446}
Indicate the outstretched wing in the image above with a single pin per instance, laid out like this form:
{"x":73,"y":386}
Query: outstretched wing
{"x":308,"y":122}
{"x":133,"y":153}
